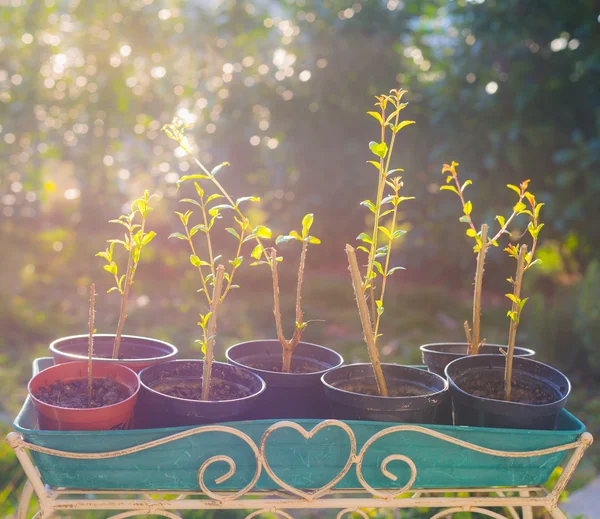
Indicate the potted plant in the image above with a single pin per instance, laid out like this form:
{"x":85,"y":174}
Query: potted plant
{"x":79,"y":396}
{"x":291,"y":368}
{"x":437,"y":355}
{"x":134,"y":352}
{"x":189,"y":392}
{"x":501,"y":390}
{"x":376,"y":391}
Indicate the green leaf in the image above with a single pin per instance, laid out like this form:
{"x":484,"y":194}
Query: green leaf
{"x":255,"y":263}
{"x":519,"y":207}
{"x":392,"y":270}
{"x":307,"y":222}
{"x":522,"y":303}
{"x":199,"y":190}
{"x":378,"y":266}
{"x":464,"y":219}
{"x":467,"y":183}
{"x":191,"y":201}
{"x":379,"y":149}
{"x":314,"y":239}
{"x":196,"y":228}
{"x":190,"y":177}
{"x":449,"y":188}
{"x":513,"y":298}
{"x":148,"y":238}
{"x":370,"y":205}
{"x":514,"y":188}
{"x":111,"y":290}
{"x":236,"y":262}
{"x":364,"y":249}
{"x":401,"y":125}
{"x":212,"y":197}
{"x":178,"y":235}
{"x":398,"y":233}
{"x":385,"y":232}
{"x":501,"y":220}
{"x":111,"y":267}
{"x":537,"y":209}
{"x":471,"y":233}
{"x":257,"y":252}
{"x":364,"y":237}
{"x":468,"y":208}
{"x":218,"y":168}
{"x":197,"y":262}
{"x":376,"y":116}
{"x":285,"y":239}
{"x":247,"y":199}
{"x":232,"y":231}
{"x":263,"y":232}
{"x":379,"y":304}
{"x":215,"y":211}
{"x":376,"y":164}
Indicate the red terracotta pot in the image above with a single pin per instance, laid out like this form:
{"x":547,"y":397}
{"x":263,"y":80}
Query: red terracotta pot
{"x":136,"y":353}
{"x":117,"y":416}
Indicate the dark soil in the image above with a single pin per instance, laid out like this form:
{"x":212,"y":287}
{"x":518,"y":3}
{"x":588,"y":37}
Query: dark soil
{"x":190,"y":388}
{"x":523,"y":392}
{"x":393,"y":391}
{"x":296,"y":367}
{"x":73,"y":394}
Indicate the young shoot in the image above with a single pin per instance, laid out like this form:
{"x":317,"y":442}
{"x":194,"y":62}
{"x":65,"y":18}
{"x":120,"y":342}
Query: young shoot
{"x":482,"y":242}
{"x":385,"y":227}
{"x":203,"y":256}
{"x":525,"y":260}
{"x":91,"y":343}
{"x":135,"y":239}
{"x":288,"y":346}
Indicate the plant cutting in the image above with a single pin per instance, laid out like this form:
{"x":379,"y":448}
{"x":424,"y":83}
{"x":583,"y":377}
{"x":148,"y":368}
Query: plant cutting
{"x":437,"y":356}
{"x":503,"y":390}
{"x":292,"y":376}
{"x":382,"y":391}
{"x":135,"y":352}
{"x":79,"y":396}
{"x":192,"y":392}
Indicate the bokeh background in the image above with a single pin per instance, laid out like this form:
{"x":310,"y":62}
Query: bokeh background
{"x":279,"y":88}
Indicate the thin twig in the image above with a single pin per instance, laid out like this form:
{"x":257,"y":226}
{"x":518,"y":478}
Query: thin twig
{"x":468,"y":333}
{"x":124,"y":298}
{"x":474,"y":347}
{"x":365,"y":320}
{"x":212,"y":331}
{"x":276,"y":304}
{"x":512,"y":332}
{"x":91,"y":343}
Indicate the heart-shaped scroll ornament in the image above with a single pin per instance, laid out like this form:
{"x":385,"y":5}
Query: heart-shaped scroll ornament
{"x":307,"y":435}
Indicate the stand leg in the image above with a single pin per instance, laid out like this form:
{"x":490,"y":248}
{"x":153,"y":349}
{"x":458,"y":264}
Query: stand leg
{"x":24,"y":500}
{"x":527,"y":510}
{"x":557,"y":513}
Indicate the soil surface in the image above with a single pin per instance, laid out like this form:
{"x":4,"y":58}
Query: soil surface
{"x":73,"y":394}
{"x":190,"y":388}
{"x":393,"y":391}
{"x":523,"y":392}
{"x":296,"y":367}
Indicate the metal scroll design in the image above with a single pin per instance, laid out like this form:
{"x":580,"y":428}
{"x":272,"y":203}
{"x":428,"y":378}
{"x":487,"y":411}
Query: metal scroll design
{"x":262,"y":461}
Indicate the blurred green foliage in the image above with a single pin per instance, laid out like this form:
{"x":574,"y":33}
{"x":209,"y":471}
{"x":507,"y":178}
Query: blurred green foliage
{"x":510,"y":89}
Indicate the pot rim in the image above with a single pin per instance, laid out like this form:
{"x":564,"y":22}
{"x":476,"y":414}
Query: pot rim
{"x":283,"y":373}
{"x":427,"y":348}
{"x":204,"y":402}
{"x":516,"y":404}
{"x":396,"y":398}
{"x":78,"y":409}
{"x":54,"y":349}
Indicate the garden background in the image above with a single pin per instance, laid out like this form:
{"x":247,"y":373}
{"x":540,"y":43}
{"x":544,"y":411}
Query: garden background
{"x":510,"y":89}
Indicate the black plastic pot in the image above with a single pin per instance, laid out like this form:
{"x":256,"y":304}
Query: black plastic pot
{"x":438,"y":355}
{"x":155,"y":409}
{"x":288,"y":395}
{"x":136,"y":353}
{"x":486,"y":412}
{"x":350,"y":405}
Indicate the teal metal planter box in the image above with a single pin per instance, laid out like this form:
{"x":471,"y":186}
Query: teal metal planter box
{"x":298,"y":462}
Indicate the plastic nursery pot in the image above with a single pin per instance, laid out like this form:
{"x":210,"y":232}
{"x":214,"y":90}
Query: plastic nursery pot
{"x":532,"y":377}
{"x":352,"y":394}
{"x":298,"y":394}
{"x":438,"y":355}
{"x":136,"y":353}
{"x":157,"y":409}
{"x":116,"y":416}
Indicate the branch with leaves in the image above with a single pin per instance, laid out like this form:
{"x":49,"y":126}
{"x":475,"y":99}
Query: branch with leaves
{"x":385,"y":223}
{"x":135,"y":239}
{"x":525,"y":260}
{"x":289,"y":346}
{"x":482,"y":241}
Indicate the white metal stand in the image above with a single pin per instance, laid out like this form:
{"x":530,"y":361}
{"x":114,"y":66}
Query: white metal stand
{"x":287,"y":497}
